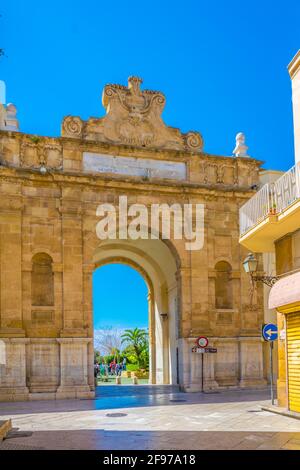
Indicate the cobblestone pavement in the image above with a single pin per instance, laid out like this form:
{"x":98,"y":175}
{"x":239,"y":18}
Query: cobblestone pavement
{"x":150,"y":417}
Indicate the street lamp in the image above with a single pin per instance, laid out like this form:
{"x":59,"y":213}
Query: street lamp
{"x":250,"y":264}
{"x":164,"y":316}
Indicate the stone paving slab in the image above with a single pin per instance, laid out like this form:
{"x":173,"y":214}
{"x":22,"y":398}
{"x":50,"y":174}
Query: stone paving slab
{"x":151,"y":420}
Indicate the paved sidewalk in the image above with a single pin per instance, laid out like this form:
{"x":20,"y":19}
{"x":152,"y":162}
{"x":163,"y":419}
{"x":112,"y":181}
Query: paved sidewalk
{"x":150,"y":417}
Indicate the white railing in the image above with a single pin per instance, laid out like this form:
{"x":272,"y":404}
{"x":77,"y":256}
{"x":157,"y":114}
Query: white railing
{"x":255,"y":210}
{"x":271,"y":199}
{"x":287,"y":189}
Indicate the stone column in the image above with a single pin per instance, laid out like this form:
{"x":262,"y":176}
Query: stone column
{"x":13,"y":369}
{"x":88,"y":270}
{"x":165,"y":348}
{"x":10,"y":264}
{"x":74,"y":368}
{"x":43,"y":366}
{"x":152,"y":345}
{"x":173,"y":333}
{"x":184,"y":326}
{"x":251,"y":362}
{"x":73,"y":320}
{"x":209,"y":370}
{"x":183,"y":277}
{"x":184,"y":365}
{"x":164,"y":316}
{"x":195,"y":364}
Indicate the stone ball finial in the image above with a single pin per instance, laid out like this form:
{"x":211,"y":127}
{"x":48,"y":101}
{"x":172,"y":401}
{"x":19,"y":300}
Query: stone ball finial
{"x":11,"y":110}
{"x":241,"y":148}
{"x":11,"y":121}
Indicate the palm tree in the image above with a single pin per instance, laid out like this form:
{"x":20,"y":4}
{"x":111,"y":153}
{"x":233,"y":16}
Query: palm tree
{"x":115,"y":352}
{"x":135,"y":338}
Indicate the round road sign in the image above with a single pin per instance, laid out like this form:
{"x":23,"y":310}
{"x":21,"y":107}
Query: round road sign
{"x":202,"y":342}
{"x":270,"y":332}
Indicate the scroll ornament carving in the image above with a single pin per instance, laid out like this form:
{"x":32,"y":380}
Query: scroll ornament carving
{"x":133,"y":117}
{"x":72,"y":126}
{"x":193,"y":140}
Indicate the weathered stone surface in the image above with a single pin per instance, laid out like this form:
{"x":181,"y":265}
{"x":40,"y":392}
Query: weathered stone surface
{"x":141,"y":167}
{"x":49,"y":347}
{"x":5,"y":427}
{"x":133,"y":117}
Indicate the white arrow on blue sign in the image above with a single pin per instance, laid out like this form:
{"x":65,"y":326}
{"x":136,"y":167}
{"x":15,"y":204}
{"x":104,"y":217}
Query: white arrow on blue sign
{"x":270,"y":332}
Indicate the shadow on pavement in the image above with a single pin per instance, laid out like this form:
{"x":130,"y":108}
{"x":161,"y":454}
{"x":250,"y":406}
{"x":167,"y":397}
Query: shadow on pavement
{"x":115,"y":397}
{"x":151,"y":440}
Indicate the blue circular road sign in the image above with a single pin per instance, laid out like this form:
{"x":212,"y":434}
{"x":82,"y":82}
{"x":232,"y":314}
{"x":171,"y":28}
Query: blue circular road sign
{"x":270,"y":332}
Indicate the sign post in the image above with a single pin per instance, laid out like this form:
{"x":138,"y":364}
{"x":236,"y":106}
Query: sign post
{"x":202,"y":372}
{"x":270,"y":334}
{"x":271,"y":372}
{"x":202,"y":348}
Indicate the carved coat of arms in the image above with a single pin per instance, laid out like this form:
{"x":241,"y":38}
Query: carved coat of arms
{"x":133,"y":117}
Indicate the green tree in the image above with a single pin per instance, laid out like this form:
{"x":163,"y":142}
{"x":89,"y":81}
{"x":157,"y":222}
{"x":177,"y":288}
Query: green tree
{"x":144,"y":357}
{"x":137,"y":339}
{"x":116,"y":353}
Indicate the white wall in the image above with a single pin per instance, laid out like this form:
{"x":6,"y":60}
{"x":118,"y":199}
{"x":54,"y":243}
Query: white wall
{"x":294,"y":70}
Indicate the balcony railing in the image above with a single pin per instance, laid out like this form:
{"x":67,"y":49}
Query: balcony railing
{"x":271,"y":199}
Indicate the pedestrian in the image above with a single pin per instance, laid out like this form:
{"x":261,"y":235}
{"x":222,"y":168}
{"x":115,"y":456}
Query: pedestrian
{"x":96,"y":371}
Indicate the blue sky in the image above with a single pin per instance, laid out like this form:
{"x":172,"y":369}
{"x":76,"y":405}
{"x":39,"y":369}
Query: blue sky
{"x":119,"y":297}
{"x":221,"y":64}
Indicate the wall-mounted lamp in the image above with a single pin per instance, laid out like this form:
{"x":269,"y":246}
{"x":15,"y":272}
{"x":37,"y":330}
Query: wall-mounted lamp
{"x":164,"y":316}
{"x":250,"y":266}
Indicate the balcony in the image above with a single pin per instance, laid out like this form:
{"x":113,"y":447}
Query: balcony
{"x":271,"y":213}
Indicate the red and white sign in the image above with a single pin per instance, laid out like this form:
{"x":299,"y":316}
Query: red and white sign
{"x":202,"y":342}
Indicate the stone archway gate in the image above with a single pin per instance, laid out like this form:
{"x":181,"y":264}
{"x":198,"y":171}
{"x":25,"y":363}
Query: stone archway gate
{"x":49,"y":192}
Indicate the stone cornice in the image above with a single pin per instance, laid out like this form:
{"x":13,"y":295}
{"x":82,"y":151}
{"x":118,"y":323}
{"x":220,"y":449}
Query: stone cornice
{"x":121,"y":149}
{"x":129,"y":184}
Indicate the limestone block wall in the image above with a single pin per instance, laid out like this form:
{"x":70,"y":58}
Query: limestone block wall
{"x":13,"y":385}
{"x":238,"y":363}
{"x":49,"y":347}
{"x":43,"y":371}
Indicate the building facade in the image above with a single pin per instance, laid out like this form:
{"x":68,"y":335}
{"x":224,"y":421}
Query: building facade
{"x":50,"y":189}
{"x":270,"y":222}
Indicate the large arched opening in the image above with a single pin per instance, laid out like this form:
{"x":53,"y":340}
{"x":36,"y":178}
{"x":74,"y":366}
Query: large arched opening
{"x":157,"y":264}
{"x":121,"y":324}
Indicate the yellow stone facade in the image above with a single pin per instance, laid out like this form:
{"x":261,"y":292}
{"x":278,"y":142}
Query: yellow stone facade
{"x":287,"y":251}
{"x":49,"y":192}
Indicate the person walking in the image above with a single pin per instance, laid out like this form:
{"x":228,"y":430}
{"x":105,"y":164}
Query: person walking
{"x":96,"y":371}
